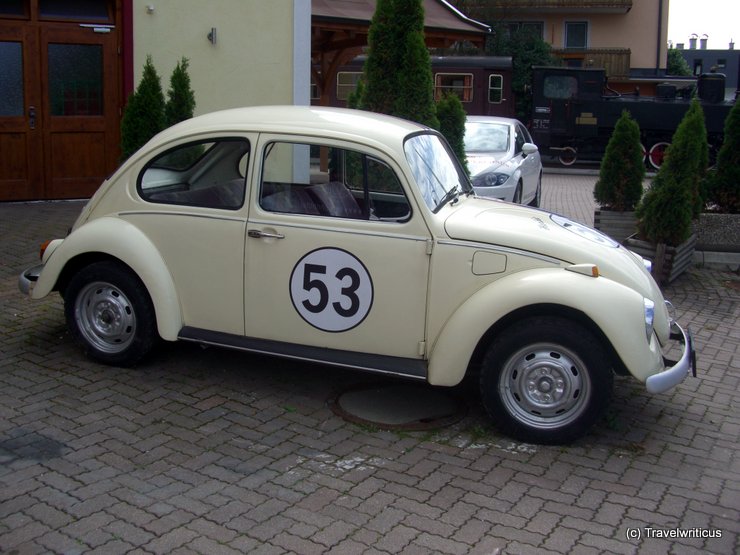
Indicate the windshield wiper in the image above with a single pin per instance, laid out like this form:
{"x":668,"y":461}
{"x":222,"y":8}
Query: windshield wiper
{"x":451,"y":195}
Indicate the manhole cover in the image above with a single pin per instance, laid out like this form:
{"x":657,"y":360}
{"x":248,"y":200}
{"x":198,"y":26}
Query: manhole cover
{"x":398,"y":406}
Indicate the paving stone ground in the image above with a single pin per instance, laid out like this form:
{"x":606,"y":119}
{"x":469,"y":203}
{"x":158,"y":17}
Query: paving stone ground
{"x":211,"y":451}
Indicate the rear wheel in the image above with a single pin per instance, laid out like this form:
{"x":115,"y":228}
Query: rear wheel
{"x":546,"y":380}
{"x":110,"y":314}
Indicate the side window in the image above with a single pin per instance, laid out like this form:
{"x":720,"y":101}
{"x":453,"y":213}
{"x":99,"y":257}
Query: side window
{"x":319,"y":180}
{"x":347,"y":83}
{"x":520,"y":140}
{"x":495,"y":88}
{"x":524,"y":132}
{"x":460,"y":84}
{"x":209,"y":174}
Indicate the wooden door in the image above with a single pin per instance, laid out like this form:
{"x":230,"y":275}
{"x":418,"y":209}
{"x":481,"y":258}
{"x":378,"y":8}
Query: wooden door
{"x":60,"y":97}
{"x":80,"y":128}
{"x":20,"y":132}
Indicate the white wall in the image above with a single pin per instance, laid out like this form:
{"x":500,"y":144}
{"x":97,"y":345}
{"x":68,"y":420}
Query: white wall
{"x":261,"y":56}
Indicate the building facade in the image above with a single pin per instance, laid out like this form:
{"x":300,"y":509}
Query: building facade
{"x":68,"y":66}
{"x":628,"y":38}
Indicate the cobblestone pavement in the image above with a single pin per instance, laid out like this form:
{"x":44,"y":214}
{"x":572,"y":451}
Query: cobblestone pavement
{"x":211,"y":451}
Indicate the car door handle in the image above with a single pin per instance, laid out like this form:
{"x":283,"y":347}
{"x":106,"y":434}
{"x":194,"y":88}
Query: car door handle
{"x":258,"y":234}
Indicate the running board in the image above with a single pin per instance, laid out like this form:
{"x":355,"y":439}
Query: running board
{"x":379,"y":364}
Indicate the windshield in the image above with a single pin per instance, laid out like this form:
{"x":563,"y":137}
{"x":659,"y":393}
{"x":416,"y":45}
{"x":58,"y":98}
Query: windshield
{"x":486,"y":137}
{"x":436,"y":171}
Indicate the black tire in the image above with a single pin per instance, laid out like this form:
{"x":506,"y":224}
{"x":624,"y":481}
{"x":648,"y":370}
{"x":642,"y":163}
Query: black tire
{"x":517,"y":199}
{"x":546,"y":380}
{"x":110,"y":314}
{"x":535,"y":202}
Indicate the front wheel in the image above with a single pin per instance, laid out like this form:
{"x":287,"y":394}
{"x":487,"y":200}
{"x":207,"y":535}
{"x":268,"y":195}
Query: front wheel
{"x":535,"y":202}
{"x":546,"y":380}
{"x":110,"y":314}
{"x":517,"y":198}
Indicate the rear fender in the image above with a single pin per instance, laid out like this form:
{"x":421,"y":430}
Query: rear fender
{"x":617,"y":310}
{"x":118,"y":239}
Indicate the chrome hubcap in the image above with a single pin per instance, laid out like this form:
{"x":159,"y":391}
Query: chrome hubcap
{"x":544,"y":386}
{"x":106,"y":317}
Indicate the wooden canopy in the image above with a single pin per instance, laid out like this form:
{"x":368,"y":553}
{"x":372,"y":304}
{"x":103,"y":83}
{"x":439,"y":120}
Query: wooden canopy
{"x":339,"y":30}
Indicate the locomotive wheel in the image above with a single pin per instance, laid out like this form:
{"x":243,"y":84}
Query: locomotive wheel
{"x":568,"y":156}
{"x":657,"y":154}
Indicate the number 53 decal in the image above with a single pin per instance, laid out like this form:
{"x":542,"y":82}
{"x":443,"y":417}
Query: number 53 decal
{"x":331,"y":289}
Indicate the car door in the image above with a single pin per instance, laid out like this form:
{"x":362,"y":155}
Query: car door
{"x":191,"y":206}
{"x":336,"y":254}
{"x":528,"y":164}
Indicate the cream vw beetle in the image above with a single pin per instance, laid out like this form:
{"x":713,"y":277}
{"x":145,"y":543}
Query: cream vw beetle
{"x":355,"y":240}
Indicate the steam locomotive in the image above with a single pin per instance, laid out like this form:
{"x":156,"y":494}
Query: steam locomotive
{"x":574,"y":112}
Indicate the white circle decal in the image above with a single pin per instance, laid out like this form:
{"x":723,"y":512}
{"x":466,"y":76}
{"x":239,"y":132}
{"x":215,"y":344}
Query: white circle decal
{"x":331,"y":289}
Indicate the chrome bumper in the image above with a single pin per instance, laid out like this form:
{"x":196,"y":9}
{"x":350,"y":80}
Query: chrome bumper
{"x":675,"y":374}
{"x":28,"y":278}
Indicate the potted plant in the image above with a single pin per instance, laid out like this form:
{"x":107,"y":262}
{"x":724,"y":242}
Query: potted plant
{"x":619,"y":187}
{"x":667,"y":209}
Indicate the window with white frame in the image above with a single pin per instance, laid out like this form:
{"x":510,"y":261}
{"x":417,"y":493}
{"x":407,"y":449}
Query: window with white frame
{"x":347,"y":83}
{"x":576,"y":34}
{"x":460,"y":84}
{"x":495,"y":88}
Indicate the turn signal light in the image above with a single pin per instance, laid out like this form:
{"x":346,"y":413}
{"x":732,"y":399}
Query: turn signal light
{"x":591,"y":270}
{"x":42,"y":250}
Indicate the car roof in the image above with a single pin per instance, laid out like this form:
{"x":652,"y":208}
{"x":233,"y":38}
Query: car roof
{"x":338,"y":122}
{"x":492,"y":119}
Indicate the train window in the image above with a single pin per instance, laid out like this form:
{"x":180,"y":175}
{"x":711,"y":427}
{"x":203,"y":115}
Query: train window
{"x":460,"y":84}
{"x":560,"y":87}
{"x":347,"y":83}
{"x":495,"y":88}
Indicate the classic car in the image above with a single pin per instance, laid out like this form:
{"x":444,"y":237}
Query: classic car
{"x":356,"y":240}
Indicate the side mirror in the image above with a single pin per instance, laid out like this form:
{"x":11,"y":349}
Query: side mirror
{"x":529,"y":148}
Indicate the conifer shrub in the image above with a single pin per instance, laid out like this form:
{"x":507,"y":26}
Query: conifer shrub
{"x":723,"y":186}
{"x":674,"y":199}
{"x":451,"y":116}
{"x":622,"y":171}
{"x":397,"y":73}
{"x":415,"y":94}
{"x":144,"y":114}
{"x":180,"y":97}
{"x":380,"y":79}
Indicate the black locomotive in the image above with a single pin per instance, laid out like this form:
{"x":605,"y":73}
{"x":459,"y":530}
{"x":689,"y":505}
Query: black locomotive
{"x":575,"y":111}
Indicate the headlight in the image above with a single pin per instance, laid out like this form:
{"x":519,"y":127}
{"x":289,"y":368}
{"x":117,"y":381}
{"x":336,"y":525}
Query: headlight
{"x":490,"y":179}
{"x":649,"y":317}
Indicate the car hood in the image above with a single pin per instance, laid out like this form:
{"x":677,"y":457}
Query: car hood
{"x":487,"y":162}
{"x":532,"y":230}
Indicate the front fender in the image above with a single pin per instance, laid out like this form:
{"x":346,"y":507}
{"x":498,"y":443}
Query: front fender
{"x":617,"y":310}
{"x":124,"y":241}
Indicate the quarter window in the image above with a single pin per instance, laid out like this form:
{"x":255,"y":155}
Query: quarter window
{"x":209,"y":174}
